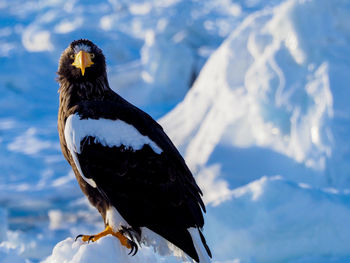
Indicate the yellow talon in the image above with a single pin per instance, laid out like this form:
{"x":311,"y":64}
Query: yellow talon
{"x":123,"y":240}
{"x":108,"y":231}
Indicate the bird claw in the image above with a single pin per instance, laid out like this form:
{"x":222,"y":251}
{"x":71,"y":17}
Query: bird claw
{"x":85,"y":238}
{"x":134,"y":247}
{"x":131,"y":233}
{"x":78,"y":236}
{"x":91,"y":238}
{"x":128,"y":239}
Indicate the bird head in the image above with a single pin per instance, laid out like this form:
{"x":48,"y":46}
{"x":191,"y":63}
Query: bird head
{"x":82,"y":61}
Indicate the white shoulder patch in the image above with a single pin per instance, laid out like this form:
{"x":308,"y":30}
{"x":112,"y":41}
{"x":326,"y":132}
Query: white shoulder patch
{"x":71,"y":140}
{"x":107,"y":132}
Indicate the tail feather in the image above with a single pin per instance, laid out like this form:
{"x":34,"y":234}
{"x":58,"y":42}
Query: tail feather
{"x":200,"y":245}
{"x":205,"y":243}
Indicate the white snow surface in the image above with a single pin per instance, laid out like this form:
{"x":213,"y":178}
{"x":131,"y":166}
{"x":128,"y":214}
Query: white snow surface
{"x":275,"y":220}
{"x":272,"y":89}
{"x":107,"y":249}
{"x":264,"y":128}
{"x":270,"y":101}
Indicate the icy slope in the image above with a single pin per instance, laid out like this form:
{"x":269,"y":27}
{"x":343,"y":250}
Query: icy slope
{"x":275,"y":220}
{"x":154,"y":50}
{"x":272,"y":100}
{"x":276,"y":88}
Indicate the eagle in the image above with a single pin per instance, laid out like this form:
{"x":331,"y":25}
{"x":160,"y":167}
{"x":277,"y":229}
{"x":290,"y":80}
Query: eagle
{"x":123,"y":161}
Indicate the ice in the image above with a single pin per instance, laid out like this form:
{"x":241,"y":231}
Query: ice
{"x":158,"y":71}
{"x":268,"y":88}
{"x":276,"y":220}
{"x":264,"y":128}
{"x":267,"y":103}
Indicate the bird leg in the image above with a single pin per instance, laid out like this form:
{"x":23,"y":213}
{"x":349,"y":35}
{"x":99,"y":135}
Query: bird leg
{"x":130,"y":244}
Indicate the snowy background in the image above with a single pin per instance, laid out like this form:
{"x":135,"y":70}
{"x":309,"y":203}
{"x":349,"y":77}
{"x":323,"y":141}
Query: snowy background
{"x":265,"y":127}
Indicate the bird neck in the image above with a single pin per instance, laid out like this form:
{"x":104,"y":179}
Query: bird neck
{"x":73,"y":93}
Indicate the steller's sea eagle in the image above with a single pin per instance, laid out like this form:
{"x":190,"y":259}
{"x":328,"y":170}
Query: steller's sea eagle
{"x":124,"y":162}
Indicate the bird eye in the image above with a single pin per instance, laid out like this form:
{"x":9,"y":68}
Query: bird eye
{"x":92,"y":55}
{"x":72,"y":56}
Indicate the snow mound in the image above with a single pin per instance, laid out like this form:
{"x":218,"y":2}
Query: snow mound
{"x":276,"y":220}
{"x":107,"y":248}
{"x":154,"y":50}
{"x":272,"y":100}
{"x":276,"y":85}
{"x":265,"y":128}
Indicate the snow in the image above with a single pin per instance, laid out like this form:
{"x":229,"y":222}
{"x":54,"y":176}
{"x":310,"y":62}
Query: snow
{"x":266,"y":103}
{"x":264,"y":128}
{"x":286,"y":222}
{"x":106,"y":248}
{"x":279,"y":221}
{"x":264,"y":89}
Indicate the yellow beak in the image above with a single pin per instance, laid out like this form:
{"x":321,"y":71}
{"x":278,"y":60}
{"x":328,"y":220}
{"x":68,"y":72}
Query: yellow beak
{"x":82,"y":60}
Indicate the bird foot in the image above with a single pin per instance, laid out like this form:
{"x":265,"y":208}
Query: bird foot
{"x":126,"y":242}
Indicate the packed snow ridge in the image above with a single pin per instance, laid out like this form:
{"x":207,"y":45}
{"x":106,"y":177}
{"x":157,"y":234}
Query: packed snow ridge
{"x":265,"y":128}
{"x":271,"y":86}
